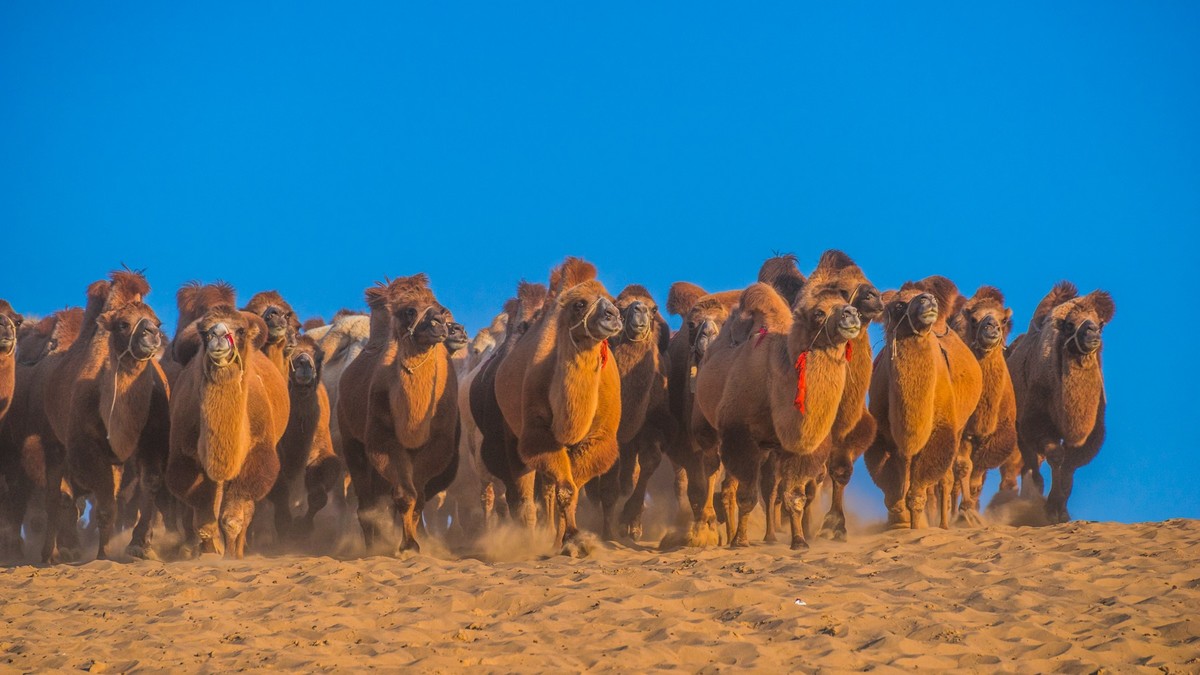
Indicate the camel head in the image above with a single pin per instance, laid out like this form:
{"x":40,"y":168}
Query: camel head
{"x":824,"y":320}
{"x":282,"y":324}
{"x":588,"y":314}
{"x":836,"y":270}
{"x":35,"y":340}
{"x":305,"y":362}
{"x":525,"y":309}
{"x":417,"y":317}
{"x":1080,"y":323}
{"x":638,"y":311}
{"x":920,"y":307}
{"x":226,"y":335}
{"x":481,"y":345}
{"x":983,"y":322}
{"x":10,"y":323}
{"x":133,"y":329}
{"x":704,"y":319}
{"x":456,"y":337}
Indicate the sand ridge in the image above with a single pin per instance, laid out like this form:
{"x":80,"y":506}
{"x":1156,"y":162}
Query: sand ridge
{"x":1069,"y":598}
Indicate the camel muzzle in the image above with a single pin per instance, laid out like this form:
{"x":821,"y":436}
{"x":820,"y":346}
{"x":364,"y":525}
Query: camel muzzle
{"x":218,"y":345}
{"x":989,"y":334}
{"x":456,"y":338}
{"x":304,"y":371}
{"x":1088,"y":337}
{"x":925,"y":307}
{"x":849,"y":322}
{"x":608,"y":319}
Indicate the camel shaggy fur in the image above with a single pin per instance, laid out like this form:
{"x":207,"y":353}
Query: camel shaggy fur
{"x":1058,"y":378}
{"x":566,"y":415}
{"x":306,"y":450}
{"x":921,"y":397}
{"x":282,"y":326}
{"x":990,"y":438}
{"x":228,"y":413}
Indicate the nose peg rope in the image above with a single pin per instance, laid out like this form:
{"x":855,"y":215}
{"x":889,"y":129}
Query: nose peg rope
{"x":116,"y":367}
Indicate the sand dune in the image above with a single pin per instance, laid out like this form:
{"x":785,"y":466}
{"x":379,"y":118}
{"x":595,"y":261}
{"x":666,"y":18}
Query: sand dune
{"x":1069,"y":598}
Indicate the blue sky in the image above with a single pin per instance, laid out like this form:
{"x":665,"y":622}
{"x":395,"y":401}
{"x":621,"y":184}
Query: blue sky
{"x":316,"y":148}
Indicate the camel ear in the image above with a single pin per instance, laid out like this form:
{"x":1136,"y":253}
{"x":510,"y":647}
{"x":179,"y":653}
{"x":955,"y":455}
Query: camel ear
{"x":256,"y":330}
{"x":887,"y":297}
{"x":105,"y":320}
{"x":1104,"y":305}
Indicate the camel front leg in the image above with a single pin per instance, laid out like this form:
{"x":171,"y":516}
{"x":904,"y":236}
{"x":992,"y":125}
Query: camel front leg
{"x":150,"y":484}
{"x":649,"y":458}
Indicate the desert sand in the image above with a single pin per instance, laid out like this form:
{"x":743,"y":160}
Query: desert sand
{"x":1069,"y":598}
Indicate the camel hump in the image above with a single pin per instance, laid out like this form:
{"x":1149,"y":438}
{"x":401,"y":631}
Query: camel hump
{"x":834,"y":260}
{"x":1062,"y":292}
{"x":784,"y":274}
{"x":682,"y":296}
{"x":765,"y":303}
{"x":1102,"y":303}
{"x":376,"y":296}
{"x":572,"y":272}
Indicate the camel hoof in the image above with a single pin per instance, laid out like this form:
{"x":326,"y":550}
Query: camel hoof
{"x":141,"y":552}
{"x":702,"y":536}
{"x":799,"y":544}
{"x":739,"y":541}
{"x":580,"y":545}
{"x":770,"y":538}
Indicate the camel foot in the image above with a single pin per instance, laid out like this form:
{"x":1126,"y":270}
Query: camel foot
{"x":580,"y":545}
{"x":703,"y":536}
{"x":143,"y":552}
{"x":739,"y":541}
{"x":633,"y":529}
{"x":770,"y":538}
{"x":1057,"y":514}
{"x":673,"y":539}
{"x":799,"y":543}
{"x":968,"y":518}
{"x":407,"y":549}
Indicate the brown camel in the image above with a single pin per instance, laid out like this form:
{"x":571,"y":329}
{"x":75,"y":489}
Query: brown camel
{"x":646,"y":424}
{"x":990,"y":438}
{"x":853,"y":427}
{"x":353,"y":392}
{"x":412,"y":416}
{"x":30,"y":456}
{"x":914,"y":401}
{"x":192,"y":300}
{"x":1057,"y":375}
{"x":105,"y":399}
{"x":229,"y":410}
{"x":282,"y":326}
{"x":696,"y":466}
{"x":306,"y":450}
{"x":780,"y":393}
{"x":498,"y":445}
{"x":568,"y":409}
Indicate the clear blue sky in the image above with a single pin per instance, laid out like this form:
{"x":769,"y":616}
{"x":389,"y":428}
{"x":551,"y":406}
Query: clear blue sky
{"x":316,"y":147}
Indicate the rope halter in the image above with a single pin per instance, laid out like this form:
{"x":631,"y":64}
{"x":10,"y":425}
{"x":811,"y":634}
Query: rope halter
{"x":12,"y":348}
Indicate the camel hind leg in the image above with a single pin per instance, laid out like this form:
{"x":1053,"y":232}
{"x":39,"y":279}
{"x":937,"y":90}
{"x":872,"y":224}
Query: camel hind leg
{"x":770,"y":494}
{"x":1063,"y":465}
{"x":649,"y":458}
{"x":930,"y":468}
{"x":150,"y":483}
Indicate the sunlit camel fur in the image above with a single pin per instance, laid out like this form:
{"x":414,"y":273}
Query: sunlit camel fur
{"x":1058,"y":378}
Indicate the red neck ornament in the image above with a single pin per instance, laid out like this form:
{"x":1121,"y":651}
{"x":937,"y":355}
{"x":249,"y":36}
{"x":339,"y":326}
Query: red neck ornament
{"x":802,"y":377}
{"x":762,"y":333}
{"x":603,"y":353}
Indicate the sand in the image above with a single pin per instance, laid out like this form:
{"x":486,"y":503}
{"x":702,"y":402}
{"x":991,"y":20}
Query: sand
{"x":1069,"y":598}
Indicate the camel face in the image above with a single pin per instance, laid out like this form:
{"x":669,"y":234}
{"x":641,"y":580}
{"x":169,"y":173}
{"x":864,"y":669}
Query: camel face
{"x":1081,"y":323}
{"x":134,"y":329}
{"x":10,"y":322}
{"x":831,"y":321}
{"x":456,"y":337}
{"x":226,"y":335}
{"x":868,"y":302}
{"x":306,"y":360}
{"x":278,"y":322}
{"x":911,"y":311}
{"x":589,"y":313}
{"x":426,"y":325}
{"x":482,"y":345}
{"x":984,"y":321}
{"x":638,"y":317}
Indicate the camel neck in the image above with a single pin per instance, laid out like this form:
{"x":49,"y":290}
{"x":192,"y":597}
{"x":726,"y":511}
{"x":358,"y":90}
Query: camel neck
{"x":224,"y":423}
{"x":575,"y":387}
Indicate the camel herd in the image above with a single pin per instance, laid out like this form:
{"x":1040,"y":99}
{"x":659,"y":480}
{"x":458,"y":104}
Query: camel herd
{"x":767,"y":395}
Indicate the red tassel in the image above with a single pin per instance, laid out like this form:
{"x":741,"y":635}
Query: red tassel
{"x":801,"y":380}
{"x":229,"y":336}
{"x":848,"y":350}
{"x":603,"y":353}
{"x":762,"y":333}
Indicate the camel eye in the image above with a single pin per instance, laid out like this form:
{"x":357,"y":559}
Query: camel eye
{"x":580,"y":304}
{"x":123,"y":326}
{"x":819,"y":315}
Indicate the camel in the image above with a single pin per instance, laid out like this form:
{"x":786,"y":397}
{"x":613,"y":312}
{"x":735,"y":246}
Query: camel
{"x":10,"y":324}
{"x":646,"y":424}
{"x":341,"y":342}
{"x":695,"y":467}
{"x":30,"y":456}
{"x":306,"y":450}
{"x":990,"y":438}
{"x":780,"y":391}
{"x":105,"y":401}
{"x":229,"y":410}
{"x":353,"y":390}
{"x":924,"y":388}
{"x":282,"y":326}
{"x":412,"y":416}
{"x":497,"y":461}
{"x":853,"y":427}
{"x":1058,"y":378}
{"x":560,"y":394}
{"x":192,"y":300}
